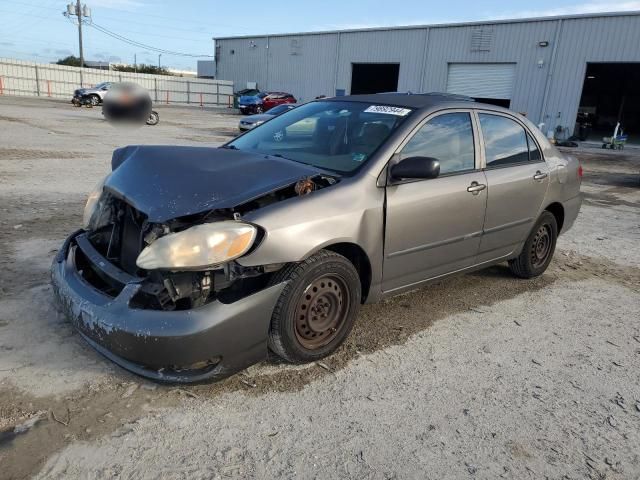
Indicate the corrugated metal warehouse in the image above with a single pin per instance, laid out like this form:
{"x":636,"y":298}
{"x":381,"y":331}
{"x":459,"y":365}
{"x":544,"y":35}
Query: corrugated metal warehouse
{"x":564,"y":71}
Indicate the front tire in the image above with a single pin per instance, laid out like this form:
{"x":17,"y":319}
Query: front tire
{"x":538,"y":249}
{"x":317,"y":308}
{"x":94,"y":100}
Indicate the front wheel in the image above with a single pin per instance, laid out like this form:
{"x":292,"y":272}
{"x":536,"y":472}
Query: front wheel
{"x":317,"y":308}
{"x":94,"y":100}
{"x":538,"y":249}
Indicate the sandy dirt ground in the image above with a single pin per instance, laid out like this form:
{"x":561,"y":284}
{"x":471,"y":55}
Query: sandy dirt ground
{"x":480,"y":376}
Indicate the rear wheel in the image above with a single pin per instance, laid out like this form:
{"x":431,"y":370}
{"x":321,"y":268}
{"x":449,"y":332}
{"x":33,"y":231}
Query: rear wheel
{"x":317,"y":308}
{"x":154,"y":118}
{"x":538,"y":249}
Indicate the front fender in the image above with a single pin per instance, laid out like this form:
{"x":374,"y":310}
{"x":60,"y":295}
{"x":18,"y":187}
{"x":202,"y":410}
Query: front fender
{"x":349,"y":212}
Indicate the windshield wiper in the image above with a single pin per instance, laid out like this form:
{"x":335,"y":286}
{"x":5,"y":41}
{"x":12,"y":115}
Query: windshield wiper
{"x":230,"y":147}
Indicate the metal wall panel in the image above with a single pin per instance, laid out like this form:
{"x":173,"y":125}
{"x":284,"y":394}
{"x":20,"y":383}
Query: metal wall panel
{"x":393,"y":46}
{"x":303,"y":66}
{"x":512,"y":43}
{"x":584,"y":40}
{"x":548,"y":79}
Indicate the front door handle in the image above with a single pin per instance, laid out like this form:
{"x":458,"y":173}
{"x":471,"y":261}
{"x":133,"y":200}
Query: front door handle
{"x":540,"y":175}
{"x":476,"y":188}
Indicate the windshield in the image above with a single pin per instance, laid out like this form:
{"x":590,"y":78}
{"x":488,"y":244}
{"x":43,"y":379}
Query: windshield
{"x":103,"y":84}
{"x":338,"y":136}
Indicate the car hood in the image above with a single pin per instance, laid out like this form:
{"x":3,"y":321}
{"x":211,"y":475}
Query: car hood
{"x":248,"y":100}
{"x":167,"y":182}
{"x":261,"y":117}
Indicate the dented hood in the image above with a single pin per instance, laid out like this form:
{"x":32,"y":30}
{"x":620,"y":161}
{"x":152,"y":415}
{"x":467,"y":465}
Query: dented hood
{"x":166,"y":182}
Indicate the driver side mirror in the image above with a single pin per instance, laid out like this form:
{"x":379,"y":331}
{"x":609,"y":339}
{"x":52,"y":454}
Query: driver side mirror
{"x":416,"y":167}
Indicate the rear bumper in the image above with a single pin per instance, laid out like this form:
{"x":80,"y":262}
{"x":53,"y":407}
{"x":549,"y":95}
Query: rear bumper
{"x":571,"y":210}
{"x":206,"y":343}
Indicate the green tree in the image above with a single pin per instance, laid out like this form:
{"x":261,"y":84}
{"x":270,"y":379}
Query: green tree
{"x":70,"y":61}
{"x":142,"y":68}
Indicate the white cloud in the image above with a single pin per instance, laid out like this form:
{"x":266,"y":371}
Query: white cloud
{"x":588,"y":7}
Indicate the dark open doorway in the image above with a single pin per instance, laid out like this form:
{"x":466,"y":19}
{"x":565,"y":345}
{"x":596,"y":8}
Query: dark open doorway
{"x":374,"y":77}
{"x":611,"y":94}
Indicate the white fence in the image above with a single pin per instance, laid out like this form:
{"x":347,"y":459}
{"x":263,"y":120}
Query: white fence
{"x":59,"y":81}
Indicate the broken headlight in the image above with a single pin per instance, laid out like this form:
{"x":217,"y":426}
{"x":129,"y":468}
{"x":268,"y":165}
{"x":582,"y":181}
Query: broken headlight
{"x":92,"y":202}
{"x":199,"y":247}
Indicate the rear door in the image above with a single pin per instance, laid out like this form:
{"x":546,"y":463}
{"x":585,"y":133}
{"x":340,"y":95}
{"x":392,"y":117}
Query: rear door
{"x":433,"y":227}
{"x":517,"y":179}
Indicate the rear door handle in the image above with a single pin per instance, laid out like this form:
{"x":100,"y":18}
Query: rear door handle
{"x":476,"y":188}
{"x":540,"y":176}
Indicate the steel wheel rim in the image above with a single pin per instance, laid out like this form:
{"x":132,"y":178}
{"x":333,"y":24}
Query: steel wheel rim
{"x":322,"y":311}
{"x":94,"y":101}
{"x":541,"y":246}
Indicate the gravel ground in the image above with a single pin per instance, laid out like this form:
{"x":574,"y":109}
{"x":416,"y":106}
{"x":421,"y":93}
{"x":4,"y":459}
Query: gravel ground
{"x":480,"y":376}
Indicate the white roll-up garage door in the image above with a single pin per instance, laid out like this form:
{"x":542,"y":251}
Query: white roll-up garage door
{"x":482,"y":80}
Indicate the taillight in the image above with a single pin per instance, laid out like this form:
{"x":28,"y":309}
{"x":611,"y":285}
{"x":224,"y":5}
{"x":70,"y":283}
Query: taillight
{"x":580,"y":172}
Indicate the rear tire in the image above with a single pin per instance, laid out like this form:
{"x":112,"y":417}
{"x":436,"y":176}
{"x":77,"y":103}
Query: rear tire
{"x":538,"y":249}
{"x":317,"y":308}
{"x":154,"y":118}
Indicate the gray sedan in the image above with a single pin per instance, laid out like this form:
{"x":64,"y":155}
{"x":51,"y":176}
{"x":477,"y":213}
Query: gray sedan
{"x":194,"y":263}
{"x":252,"y":121}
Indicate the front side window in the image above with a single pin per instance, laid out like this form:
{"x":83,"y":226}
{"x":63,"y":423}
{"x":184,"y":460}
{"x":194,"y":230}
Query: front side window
{"x":505,"y":141}
{"x":449,"y":139}
{"x":340,"y":136}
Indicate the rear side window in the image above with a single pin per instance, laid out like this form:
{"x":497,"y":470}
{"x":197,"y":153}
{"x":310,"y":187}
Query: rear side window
{"x":534,"y":151}
{"x":505,"y":141}
{"x":447,"y":138}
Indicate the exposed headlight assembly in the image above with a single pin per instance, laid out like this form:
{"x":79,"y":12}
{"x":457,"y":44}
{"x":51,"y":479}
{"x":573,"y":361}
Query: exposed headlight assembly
{"x":199,"y":247}
{"x":92,"y":202}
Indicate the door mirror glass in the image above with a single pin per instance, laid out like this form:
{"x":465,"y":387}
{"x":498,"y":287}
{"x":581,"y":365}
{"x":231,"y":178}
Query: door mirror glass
{"x":416,"y":167}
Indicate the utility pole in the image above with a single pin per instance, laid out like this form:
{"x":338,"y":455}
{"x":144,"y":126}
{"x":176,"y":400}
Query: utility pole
{"x":159,"y":55}
{"x":80,"y":32}
{"x":79,"y":11}
{"x":135,"y":63}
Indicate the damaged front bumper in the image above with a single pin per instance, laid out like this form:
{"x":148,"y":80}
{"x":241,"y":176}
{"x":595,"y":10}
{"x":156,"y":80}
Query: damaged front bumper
{"x":205,"y":343}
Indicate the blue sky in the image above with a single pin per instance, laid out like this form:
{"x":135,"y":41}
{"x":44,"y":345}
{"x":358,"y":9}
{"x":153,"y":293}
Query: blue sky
{"x":36,"y":30}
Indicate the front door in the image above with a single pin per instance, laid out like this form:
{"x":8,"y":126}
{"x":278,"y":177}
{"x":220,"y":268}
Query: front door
{"x":433,"y":227}
{"x":517,"y":179}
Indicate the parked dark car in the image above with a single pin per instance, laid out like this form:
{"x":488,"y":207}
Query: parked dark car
{"x":195,"y":262}
{"x":252,"y":121}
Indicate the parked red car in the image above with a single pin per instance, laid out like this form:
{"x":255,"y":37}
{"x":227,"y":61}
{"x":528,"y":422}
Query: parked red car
{"x":276,"y":98}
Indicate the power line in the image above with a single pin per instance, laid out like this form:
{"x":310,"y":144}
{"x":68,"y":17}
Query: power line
{"x":143,"y":45}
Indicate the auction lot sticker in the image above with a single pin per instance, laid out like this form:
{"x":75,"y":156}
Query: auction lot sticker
{"x":400,"y":112}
